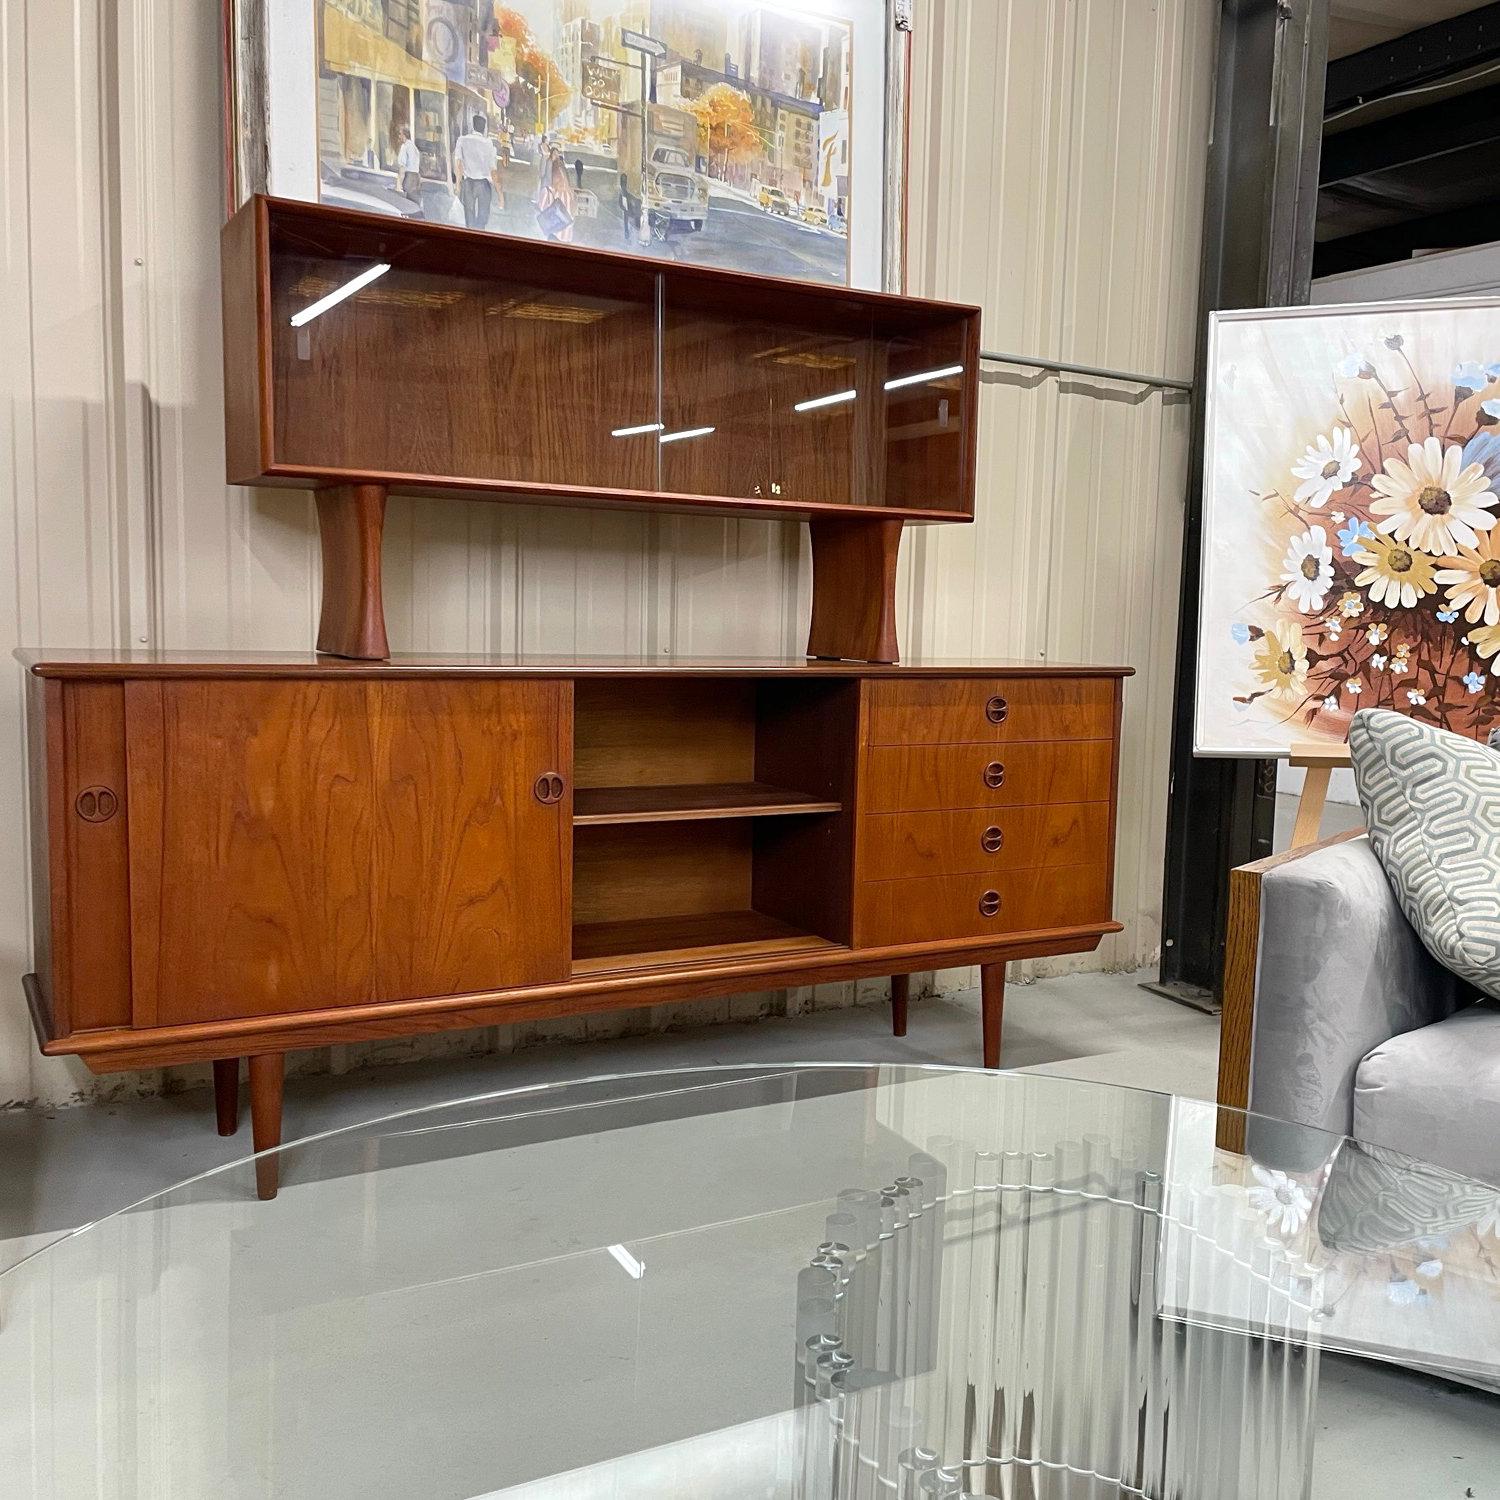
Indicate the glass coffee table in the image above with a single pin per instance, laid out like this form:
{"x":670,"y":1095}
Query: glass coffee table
{"x":851,"y":1282}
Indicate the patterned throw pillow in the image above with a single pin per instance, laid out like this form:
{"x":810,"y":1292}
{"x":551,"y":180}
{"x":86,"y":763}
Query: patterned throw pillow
{"x":1432,"y":804}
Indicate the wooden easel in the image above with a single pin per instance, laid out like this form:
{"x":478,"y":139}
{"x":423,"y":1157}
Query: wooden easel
{"x":1320,"y":762}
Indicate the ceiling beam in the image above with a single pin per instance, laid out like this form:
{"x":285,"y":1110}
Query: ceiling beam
{"x":1472,"y":225}
{"x":1415,"y":136}
{"x":1418,"y":57}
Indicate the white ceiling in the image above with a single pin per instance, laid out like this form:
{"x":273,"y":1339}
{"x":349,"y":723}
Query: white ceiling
{"x":1356,"y":24}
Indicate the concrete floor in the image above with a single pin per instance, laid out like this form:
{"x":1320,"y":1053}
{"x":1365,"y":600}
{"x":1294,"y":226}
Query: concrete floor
{"x":1382,"y":1431}
{"x":62,"y":1168}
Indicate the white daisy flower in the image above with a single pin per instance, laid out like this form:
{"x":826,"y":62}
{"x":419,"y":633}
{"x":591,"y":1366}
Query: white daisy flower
{"x":1307,"y":569}
{"x":1284,"y":1201}
{"x":1326,"y":467}
{"x":1433,"y":502}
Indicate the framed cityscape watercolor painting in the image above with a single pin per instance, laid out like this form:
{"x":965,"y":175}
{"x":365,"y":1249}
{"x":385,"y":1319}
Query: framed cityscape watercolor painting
{"x":1351,"y":536}
{"x":727,"y":133}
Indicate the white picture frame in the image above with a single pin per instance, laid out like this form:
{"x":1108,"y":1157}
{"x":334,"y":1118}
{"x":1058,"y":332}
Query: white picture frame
{"x":1281,"y":386}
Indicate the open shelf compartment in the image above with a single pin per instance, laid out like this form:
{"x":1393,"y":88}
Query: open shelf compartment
{"x":702,"y":811}
{"x":695,"y":803}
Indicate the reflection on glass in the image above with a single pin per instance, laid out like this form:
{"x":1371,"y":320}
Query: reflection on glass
{"x":434,"y":366}
{"x":822,"y":1282}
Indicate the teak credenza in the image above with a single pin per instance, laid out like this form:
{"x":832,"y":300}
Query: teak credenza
{"x":239,"y":855}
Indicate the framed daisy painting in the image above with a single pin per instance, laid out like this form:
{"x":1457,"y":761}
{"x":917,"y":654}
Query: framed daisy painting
{"x":1351,"y":534}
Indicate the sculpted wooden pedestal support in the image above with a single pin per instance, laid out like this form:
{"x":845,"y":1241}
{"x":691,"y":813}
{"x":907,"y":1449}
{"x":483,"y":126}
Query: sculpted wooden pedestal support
{"x":854,"y":589}
{"x":351,"y":522}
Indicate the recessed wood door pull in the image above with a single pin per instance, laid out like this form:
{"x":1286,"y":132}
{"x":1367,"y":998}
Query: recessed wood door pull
{"x":989,"y":903}
{"x":991,"y":840}
{"x":996,"y":710}
{"x":96,"y":804}
{"x":994,"y":774}
{"x":549,"y":787}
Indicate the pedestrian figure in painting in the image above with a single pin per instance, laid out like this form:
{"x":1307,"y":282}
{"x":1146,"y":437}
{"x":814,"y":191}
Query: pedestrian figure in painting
{"x":554,"y":208}
{"x":409,"y":166}
{"x":578,"y":171}
{"x":476,"y":170}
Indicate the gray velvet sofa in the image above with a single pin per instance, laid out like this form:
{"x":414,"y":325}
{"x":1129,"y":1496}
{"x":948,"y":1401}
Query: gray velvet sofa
{"x":1347,"y":1022}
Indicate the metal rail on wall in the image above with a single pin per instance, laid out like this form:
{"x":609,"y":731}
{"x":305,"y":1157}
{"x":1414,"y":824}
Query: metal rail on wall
{"x":1100,"y":372}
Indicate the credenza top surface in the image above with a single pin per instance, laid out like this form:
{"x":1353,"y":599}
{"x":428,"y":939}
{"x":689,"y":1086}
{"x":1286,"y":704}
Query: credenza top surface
{"x":153,"y":663}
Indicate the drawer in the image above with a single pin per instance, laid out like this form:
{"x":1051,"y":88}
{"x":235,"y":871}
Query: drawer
{"x":918,"y":778}
{"x":1002,"y":903}
{"x":989,"y":710}
{"x":897,"y":845}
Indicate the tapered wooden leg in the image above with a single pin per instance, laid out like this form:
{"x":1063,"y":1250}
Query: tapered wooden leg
{"x":266,"y":1074}
{"x":900,"y":992}
{"x":854,"y":589}
{"x":227,"y":1094}
{"x":992,"y":1002}
{"x":351,"y":522}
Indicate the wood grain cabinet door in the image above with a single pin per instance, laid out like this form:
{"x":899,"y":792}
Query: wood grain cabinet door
{"x":473,"y":835}
{"x":251,"y":847}
{"x":306,"y":843}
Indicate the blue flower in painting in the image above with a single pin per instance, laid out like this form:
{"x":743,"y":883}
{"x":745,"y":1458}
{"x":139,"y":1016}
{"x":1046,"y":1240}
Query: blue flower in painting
{"x":1447,"y":616}
{"x":1473,"y":681}
{"x":1240,"y":633}
{"x":1484,"y":449}
{"x":1354,"y":367}
{"x":1350,"y":536}
{"x":1470,"y":376}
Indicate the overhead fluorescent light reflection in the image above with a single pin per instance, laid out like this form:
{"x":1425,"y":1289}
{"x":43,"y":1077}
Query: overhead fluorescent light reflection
{"x":349,"y":288}
{"x":633,"y":1268}
{"x":817,"y":401}
{"x":677,"y":437}
{"x":636,"y":431}
{"x":923,"y":375}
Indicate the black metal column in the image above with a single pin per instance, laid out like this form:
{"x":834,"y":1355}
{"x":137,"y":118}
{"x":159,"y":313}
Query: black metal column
{"x":1259,"y":213}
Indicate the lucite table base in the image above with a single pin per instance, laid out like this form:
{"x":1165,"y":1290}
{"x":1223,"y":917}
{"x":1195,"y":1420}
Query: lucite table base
{"x":1009,"y":1324}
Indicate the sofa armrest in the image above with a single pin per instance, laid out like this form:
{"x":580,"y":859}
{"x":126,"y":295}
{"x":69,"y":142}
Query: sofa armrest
{"x":1333,"y":969}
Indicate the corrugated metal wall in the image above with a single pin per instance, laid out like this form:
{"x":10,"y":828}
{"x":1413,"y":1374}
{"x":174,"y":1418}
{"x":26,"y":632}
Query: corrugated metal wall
{"x":1057,"y":151}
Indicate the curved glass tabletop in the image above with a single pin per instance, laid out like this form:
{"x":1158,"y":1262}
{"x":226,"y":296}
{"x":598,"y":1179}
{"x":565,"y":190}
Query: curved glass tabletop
{"x":807,"y":1281}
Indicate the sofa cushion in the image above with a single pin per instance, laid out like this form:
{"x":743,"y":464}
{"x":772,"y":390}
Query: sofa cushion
{"x":1432,"y":804}
{"x":1434,"y":1093}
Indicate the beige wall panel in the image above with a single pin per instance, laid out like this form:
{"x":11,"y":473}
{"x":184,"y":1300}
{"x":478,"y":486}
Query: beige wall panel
{"x":1065,"y":199}
{"x":1057,"y":157}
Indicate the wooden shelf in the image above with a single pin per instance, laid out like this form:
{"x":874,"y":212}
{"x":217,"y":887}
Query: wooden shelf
{"x":680,"y":804}
{"x":657,"y":941}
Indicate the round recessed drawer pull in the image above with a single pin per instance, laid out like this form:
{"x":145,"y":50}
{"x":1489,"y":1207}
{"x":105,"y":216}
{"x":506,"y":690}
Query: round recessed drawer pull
{"x":991,"y":840}
{"x":994,"y":774}
{"x":989,"y":903}
{"x":549,"y":787}
{"x":996,"y":710}
{"x":96,"y":804}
